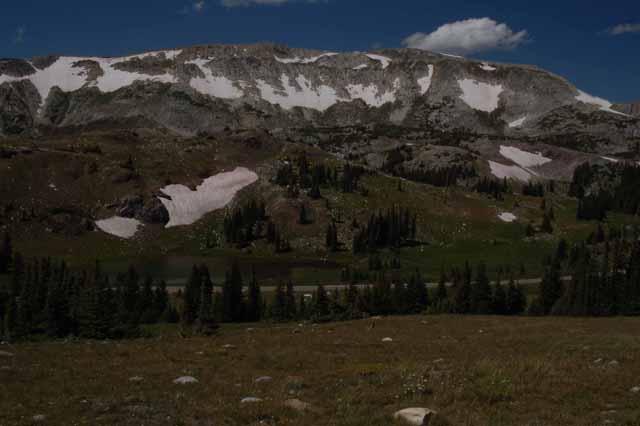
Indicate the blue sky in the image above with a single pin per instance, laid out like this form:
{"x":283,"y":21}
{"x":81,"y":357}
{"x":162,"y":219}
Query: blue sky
{"x":594,"y":44}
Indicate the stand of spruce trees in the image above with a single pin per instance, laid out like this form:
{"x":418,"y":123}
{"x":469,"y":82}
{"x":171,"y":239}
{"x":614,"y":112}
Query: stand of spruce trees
{"x":47,"y":298}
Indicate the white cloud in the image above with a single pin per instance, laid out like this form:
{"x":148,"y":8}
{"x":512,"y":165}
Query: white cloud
{"x":18,"y":37}
{"x":624,"y":29}
{"x":237,"y":3}
{"x":468,"y":36}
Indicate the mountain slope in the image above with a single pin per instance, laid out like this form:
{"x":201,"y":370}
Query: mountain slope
{"x":208,"y":88}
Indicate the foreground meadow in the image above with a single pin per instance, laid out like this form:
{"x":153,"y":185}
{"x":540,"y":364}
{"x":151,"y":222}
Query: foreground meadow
{"x":472,"y":370}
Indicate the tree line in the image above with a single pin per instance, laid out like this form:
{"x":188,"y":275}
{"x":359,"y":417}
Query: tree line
{"x":601,"y":189}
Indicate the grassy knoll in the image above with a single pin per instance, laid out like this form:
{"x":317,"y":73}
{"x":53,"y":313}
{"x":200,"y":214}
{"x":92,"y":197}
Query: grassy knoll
{"x":473,"y":370}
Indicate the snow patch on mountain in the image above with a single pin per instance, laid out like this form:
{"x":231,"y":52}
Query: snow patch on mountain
{"x":187,"y":206}
{"x":510,"y":172}
{"x":425,"y":82}
{"x":297,"y":60}
{"x":119,"y":226}
{"x":480,"y":96}
{"x":64,"y":74}
{"x":523,"y":158}
{"x":611,"y":159}
{"x":594,"y":100}
{"x":360,"y":67}
{"x":218,"y":87}
{"x":305,"y":95}
{"x":485,"y":66}
{"x":382,"y":59}
{"x":517,"y":123}
{"x":370,"y":94}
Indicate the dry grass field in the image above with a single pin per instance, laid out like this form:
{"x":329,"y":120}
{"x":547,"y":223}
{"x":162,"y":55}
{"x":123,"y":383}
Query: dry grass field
{"x":472,"y":370}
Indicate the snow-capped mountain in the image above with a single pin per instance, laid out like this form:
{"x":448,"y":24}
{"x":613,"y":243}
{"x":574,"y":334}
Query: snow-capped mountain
{"x":207,"y":88}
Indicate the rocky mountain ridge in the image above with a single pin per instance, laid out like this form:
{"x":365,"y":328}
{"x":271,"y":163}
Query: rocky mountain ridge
{"x":209,"y":88}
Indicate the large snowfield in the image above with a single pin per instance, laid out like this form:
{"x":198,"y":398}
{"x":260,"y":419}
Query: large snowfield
{"x":187,"y":206}
{"x":480,"y":96}
{"x":510,"y":172}
{"x":523,"y":158}
{"x":119,"y":226}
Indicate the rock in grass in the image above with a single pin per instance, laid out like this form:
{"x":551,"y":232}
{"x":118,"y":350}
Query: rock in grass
{"x":264,"y":379}
{"x":250,"y":400}
{"x":185,"y":380}
{"x":39,"y":418}
{"x":415,"y":416}
{"x":5,"y":354}
{"x":301,"y":406}
{"x":136,"y":379}
{"x":387,"y":340}
{"x":635,"y":389}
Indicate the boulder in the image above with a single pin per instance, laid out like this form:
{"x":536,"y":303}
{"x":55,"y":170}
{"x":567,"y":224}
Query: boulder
{"x":185,"y":380}
{"x":264,"y":379}
{"x":415,"y":416}
{"x":250,"y":400}
{"x":387,"y":340}
{"x":301,"y":406}
{"x":635,"y":389}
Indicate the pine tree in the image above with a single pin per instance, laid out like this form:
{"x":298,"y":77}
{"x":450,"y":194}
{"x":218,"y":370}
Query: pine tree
{"x":130,"y":298}
{"x":161,"y":301}
{"x":206,"y":320}
{"x":254,"y":300}
{"x":321,"y":304}
{"x":278,"y":309}
{"x":515,"y":300}
{"x":145,"y":302}
{"x":462,"y":297}
{"x":550,"y":287}
{"x":481,"y":292}
{"x":417,"y":294}
{"x":192,"y":294}
{"x":6,"y":253}
{"x":290,"y":305}
{"x":499,"y":300}
{"x":233,"y":302}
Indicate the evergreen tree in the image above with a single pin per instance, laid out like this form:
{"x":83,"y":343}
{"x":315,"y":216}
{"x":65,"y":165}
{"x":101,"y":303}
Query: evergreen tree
{"x":417,"y":294}
{"x":161,"y":301}
{"x":499,"y":300}
{"x":192,"y":294}
{"x":550,"y":287}
{"x":233,"y":303}
{"x":516,"y":301}
{"x":481,"y":292}
{"x":6,"y":253}
{"x":462,"y":298}
{"x":206,"y":320}
{"x":145,"y":302}
{"x":278,"y":310}
{"x":254,"y":300}
{"x":321,"y":304}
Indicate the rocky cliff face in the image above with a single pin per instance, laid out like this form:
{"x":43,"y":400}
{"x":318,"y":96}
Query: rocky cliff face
{"x":208,"y":88}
